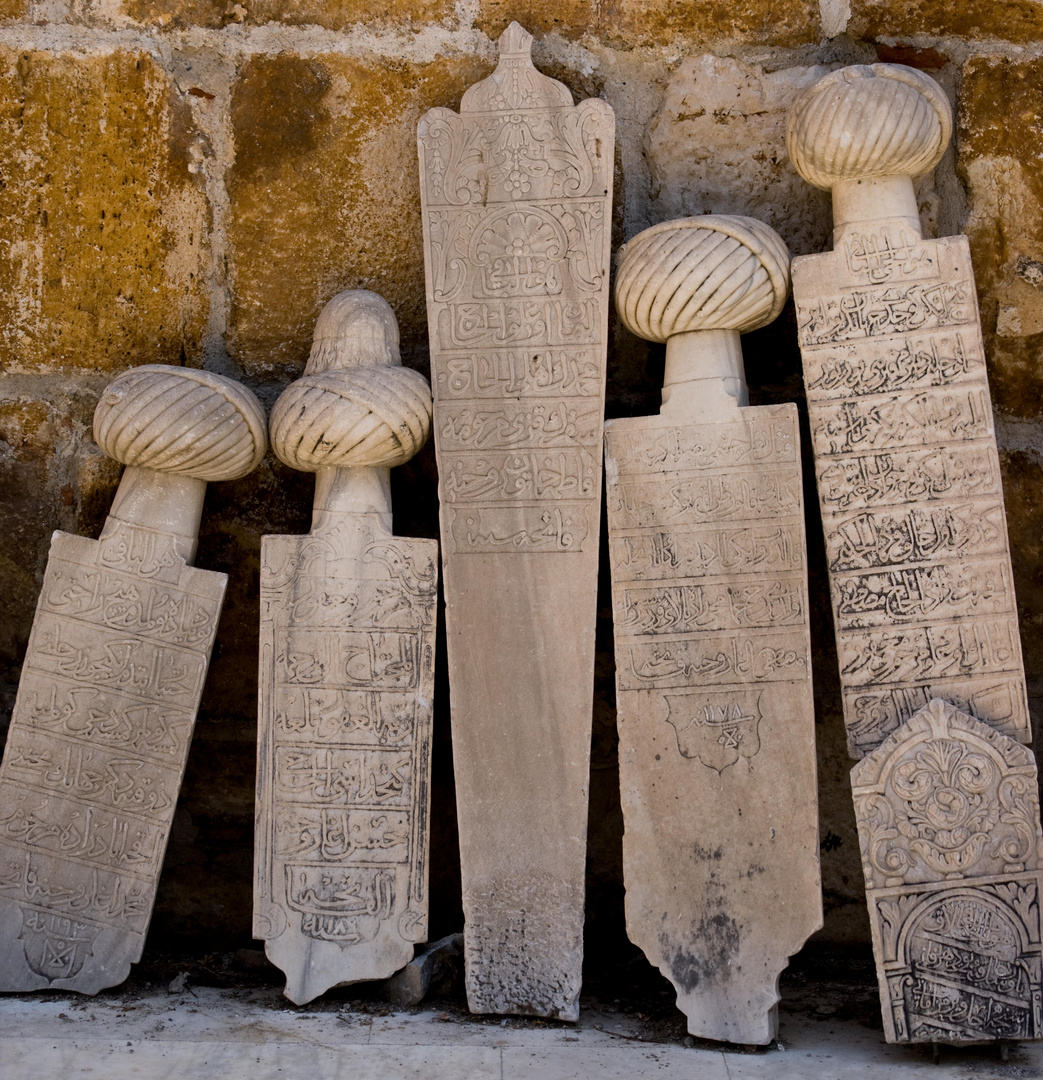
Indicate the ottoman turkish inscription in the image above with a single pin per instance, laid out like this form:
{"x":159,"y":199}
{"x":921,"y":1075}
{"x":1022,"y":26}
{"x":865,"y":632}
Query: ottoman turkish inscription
{"x":948,"y":824}
{"x":516,"y":194}
{"x":347,"y":671}
{"x":110,"y":686}
{"x":713,"y":658}
{"x":901,"y":422}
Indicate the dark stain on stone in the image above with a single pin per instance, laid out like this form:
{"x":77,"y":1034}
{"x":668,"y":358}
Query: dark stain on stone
{"x":714,"y":942}
{"x":277,"y":113}
{"x":924,"y":59}
{"x":705,"y":855}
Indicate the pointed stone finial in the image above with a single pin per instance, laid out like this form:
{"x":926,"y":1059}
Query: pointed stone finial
{"x":515,"y":41}
{"x":356,"y":405}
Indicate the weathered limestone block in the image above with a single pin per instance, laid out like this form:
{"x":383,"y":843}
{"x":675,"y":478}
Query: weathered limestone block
{"x":332,"y":14}
{"x":103,"y":228}
{"x":516,"y":196}
{"x":948,"y":824}
{"x":901,"y":421}
{"x":111,"y":684}
{"x":713,"y":654}
{"x":319,"y":147}
{"x":347,"y":671}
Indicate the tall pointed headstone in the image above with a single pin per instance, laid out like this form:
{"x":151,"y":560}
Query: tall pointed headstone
{"x":347,"y":671}
{"x":713,"y":658}
{"x":516,"y":194}
{"x":901,"y":421}
{"x":110,"y":686}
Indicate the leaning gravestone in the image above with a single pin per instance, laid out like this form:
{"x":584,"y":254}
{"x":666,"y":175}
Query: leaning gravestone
{"x":516,"y":194}
{"x":713,"y":660}
{"x":347,"y":671}
{"x":110,"y":686}
{"x":901,"y":421}
{"x":948,"y":824}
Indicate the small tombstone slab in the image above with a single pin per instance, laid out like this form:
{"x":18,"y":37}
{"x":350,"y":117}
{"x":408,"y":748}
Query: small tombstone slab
{"x":901,"y":420}
{"x":347,"y":656}
{"x":713,"y":659}
{"x":516,"y":195}
{"x":110,"y":686}
{"x":948,"y":824}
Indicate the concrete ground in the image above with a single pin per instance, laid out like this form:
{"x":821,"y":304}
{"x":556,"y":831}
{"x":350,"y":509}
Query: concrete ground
{"x":243,"y":1029}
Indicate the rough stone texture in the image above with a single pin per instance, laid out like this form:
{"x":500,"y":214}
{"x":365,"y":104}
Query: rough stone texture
{"x":516,"y":194}
{"x":335,"y":15}
{"x":110,"y":686}
{"x":948,"y":824}
{"x":324,"y":151}
{"x":1000,"y":131}
{"x":901,"y":422}
{"x":103,"y":242}
{"x":1013,"y":20}
{"x":713,"y":648}
{"x":347,"y":664}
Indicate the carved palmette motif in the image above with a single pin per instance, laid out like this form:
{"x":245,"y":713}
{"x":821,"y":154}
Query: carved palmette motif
{"x":110,"y":686}
{"x":901,"y":424}
{"x":516,"y":198}
{"x":948,"y":824}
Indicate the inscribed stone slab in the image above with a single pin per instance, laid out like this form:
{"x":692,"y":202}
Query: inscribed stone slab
{"x":347,"y":671}
{"x":110,"y":687}
{"x":901,"y":423}
{"x":516,"y":193}
{"x":948,"y":824}
{"x":713,"y":655}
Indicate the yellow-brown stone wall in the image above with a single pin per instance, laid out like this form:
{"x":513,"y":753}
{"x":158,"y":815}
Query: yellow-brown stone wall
{"x":188,"y":182}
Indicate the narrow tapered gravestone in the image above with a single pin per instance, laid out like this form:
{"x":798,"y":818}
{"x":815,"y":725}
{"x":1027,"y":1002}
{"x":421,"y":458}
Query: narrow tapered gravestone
{"x":110,"y":686}
{"x":948,"y":824}
{"x":713,"y":659}
{"x":347,"y":671}
{"x":901,"y":421}
{"x":516,"y":194}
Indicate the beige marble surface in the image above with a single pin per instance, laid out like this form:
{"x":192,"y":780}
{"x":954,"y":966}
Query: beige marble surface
{"x":516,"y":193}
{"x":948,"y":825}
{"x":110,"y":686}
{"x":713,"y":658}
{"x":347,"y":654}
{"x":901,"y":419}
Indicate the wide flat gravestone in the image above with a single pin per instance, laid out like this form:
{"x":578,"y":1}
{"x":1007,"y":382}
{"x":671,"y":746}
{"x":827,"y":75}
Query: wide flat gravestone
{"x":901,"y":421}
{"x":713,"y":659}
{"x":516,"y":193}
{"x":948,"y":824}
{"x":347,"y":671}
{"x":110,"y":687}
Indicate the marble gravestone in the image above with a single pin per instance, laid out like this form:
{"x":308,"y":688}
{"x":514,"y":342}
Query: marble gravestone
{"x":516,"y":194}
{"x":346,"y":671}
{"x":948,"y":825}
{"x":713,"y":660}
{"x":901,"y":420}
{"x":110,"y":686}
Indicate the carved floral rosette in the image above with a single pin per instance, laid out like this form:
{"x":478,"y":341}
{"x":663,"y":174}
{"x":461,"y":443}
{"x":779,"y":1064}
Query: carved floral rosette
{"x":948,"y":824}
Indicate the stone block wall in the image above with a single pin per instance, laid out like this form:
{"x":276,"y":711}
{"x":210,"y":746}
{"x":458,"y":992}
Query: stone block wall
{"x":189,"y":181}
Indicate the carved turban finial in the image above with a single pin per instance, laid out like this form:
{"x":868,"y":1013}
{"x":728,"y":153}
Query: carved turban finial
{"x":181,"y":420}
{"x":356,"y":405}
{"x":716,"y":272}
{"x":865,"y":122}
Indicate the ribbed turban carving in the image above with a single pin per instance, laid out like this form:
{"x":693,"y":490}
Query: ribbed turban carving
{"x":859,"y":123}
{"x":356,"y":405}
{"x":716,"y":272}
{"x":181,"y":420}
